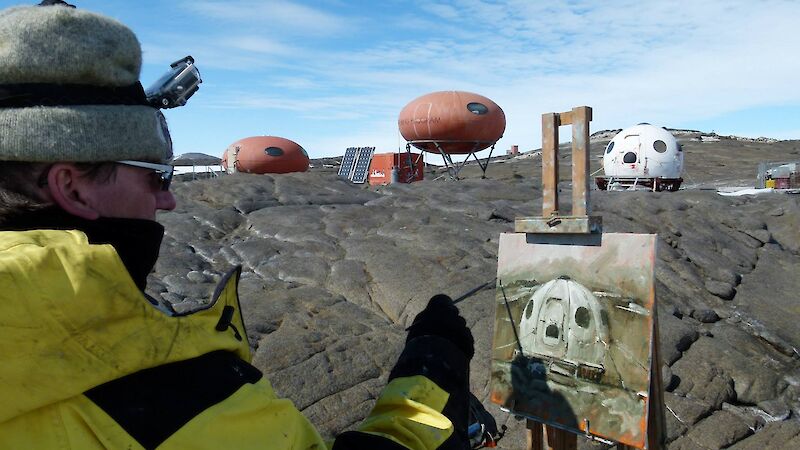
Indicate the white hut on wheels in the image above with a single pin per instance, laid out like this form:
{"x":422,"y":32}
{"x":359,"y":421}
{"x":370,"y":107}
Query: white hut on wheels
{"x":642,"y":157}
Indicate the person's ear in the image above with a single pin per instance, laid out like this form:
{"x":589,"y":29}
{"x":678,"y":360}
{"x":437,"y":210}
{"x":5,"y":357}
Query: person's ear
{"x":70,"y":191}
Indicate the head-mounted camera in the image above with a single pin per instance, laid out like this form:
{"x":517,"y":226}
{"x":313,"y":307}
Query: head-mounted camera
{"x":176,"y":86}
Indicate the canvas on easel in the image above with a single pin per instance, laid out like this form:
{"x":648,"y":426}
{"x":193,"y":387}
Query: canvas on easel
{"x":573,"y":332}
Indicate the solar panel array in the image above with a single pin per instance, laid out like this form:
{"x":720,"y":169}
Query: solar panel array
{"x":355,"y":164}
{"x":347,"y":162}
{"x":361,"y":170}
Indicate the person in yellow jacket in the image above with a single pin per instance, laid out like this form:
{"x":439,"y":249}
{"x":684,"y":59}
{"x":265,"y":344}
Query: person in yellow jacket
{"x":87,"y":359}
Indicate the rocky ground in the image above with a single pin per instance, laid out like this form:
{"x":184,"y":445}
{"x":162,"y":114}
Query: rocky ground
{"x":333,"y":272}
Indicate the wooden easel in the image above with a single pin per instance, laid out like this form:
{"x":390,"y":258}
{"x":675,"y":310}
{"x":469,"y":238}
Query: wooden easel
{"x":540,"y":436}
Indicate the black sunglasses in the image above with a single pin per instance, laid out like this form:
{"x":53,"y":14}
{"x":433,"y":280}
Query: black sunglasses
{"x":164,"y":171}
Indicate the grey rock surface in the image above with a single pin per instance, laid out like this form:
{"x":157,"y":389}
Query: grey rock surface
{"x":783,"y":435}
{"x":720,"y":430}
{"x":333,"y":273}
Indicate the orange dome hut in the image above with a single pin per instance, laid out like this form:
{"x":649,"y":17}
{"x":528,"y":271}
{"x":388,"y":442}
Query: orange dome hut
{"x":452,"y":122}
{"x":265,"y":154}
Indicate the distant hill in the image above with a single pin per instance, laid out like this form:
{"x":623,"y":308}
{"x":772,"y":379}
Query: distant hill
{"x":196,"y":159}
{"x":682,"y":134}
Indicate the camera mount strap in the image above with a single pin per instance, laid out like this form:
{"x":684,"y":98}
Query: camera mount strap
{"x":23,"y":95}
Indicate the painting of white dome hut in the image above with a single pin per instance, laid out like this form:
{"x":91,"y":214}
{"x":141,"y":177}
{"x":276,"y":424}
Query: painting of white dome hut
{"x":565,"y":320}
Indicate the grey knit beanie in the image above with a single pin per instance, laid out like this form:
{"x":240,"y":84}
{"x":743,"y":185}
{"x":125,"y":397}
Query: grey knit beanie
{"x":80,"y":69}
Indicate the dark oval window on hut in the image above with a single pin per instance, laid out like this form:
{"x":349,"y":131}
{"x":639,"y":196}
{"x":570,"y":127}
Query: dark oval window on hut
{"x":551,"y":331}
{"x":610,"y":147}
{"x":660,"y":146}
{"x":629,"y":158}
{"x":582,"y":317}
{"x":477,"y":108}
{"x":529,"y":310}
{"x":273,"y":151}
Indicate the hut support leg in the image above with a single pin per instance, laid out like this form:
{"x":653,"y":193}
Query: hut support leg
{"x":453,"y":168}
{"x":483,"y":165}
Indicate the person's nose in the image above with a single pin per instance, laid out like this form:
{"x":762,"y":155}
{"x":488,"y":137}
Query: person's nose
{"x":165,"y":201}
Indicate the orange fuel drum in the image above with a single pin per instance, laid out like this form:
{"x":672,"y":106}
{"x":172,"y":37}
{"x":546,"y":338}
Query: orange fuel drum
{"x":459,"y":122}
{"x":265,"y":154}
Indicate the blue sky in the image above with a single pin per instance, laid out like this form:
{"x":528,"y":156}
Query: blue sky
{"x":331,"y":74}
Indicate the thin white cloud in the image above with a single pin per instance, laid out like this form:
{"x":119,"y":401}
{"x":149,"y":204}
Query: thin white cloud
{"x":287,"y":16}
{"x":441,"y":10}
{"x":296,"y":83}
{"x":233,"y":52}
{"x":324,"y":107}
{"x":256,"y":44}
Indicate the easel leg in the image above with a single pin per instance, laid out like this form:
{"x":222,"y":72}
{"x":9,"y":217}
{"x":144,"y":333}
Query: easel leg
{"x":560,"y":439}
{"x":535,"y":435}
{"x":554,"y":439}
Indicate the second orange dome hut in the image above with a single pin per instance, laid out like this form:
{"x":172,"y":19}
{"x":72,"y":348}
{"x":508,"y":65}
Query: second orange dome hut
{"x":459,"y":122}
{"x":265,"y":154}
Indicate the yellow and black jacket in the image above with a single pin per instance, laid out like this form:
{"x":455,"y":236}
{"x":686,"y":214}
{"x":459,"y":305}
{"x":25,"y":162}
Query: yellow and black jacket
{"x":87,"y":362}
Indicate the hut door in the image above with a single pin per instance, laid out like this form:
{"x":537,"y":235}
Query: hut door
{"x":233,"y":154}
{"x":631,"y":149}
{"x":551,"y":326}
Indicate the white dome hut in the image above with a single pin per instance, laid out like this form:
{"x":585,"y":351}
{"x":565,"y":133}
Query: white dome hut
{"x":643,"y":156}
{"x":564,"y":322}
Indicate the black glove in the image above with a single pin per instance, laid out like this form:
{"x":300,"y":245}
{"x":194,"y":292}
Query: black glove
{"x":441,"y":318}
